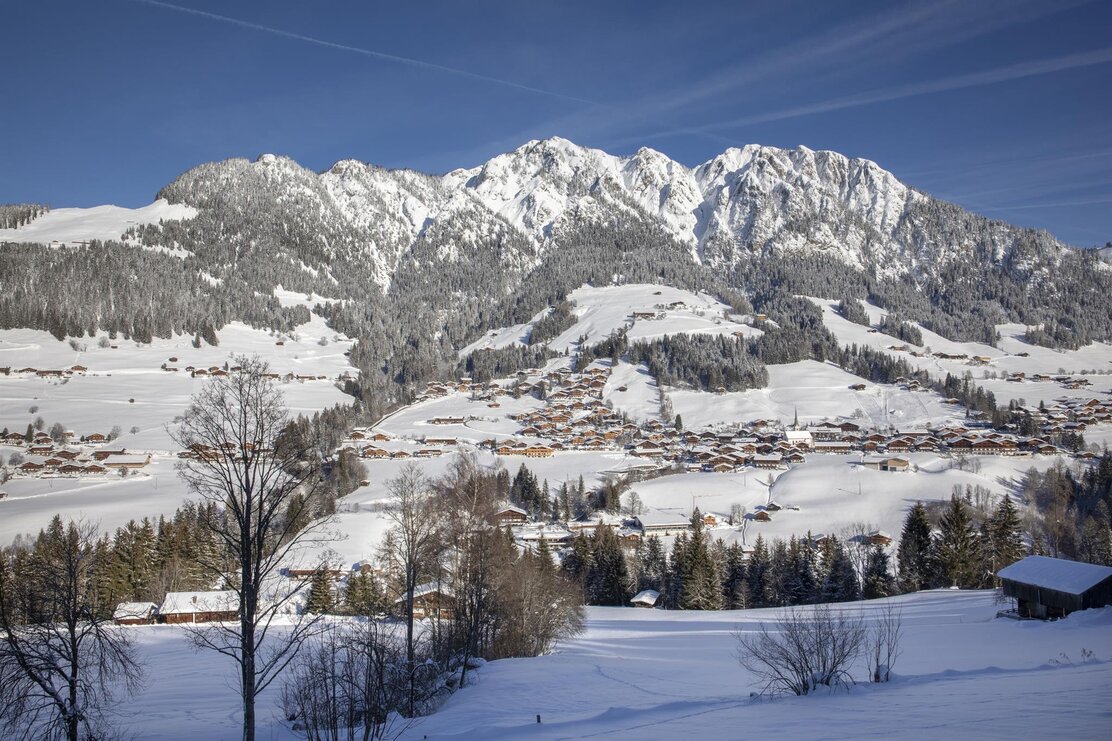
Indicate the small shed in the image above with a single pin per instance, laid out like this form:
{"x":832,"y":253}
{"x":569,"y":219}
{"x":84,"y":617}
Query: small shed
{"x":135,"y":613}
{"x":1054,"y":587}
{"x":646,"y":598}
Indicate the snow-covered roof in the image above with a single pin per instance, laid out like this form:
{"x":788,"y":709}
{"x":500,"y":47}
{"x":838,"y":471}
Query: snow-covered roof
{"x":190,"y":602}
{"x":133,"y":610}
{"x":657,"y":517}
{"x":1059,"y":574}
{"x":646,"y":597}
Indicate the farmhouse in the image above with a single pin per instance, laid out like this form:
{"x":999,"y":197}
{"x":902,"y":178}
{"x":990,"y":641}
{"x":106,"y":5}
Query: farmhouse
{"x":510,"y":515}
{"x":1054,"y":587}
{"x":657,"y":522}
{"x":429,"y":601}
{"x":199,"y":607}
{"x":135,"y":613}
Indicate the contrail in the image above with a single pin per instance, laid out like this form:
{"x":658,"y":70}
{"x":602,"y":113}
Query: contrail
{"x":369,"y":52}
{"x":946,"y":84}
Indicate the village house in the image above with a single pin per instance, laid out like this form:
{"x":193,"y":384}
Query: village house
{"x":199,"y":607}
{"x":510,"y":515}
{"x":429,"y":601}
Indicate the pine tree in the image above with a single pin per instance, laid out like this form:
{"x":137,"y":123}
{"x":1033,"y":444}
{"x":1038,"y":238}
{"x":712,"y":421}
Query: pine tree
{"x":701,"y":587}
{"x":1005,"y":536}
{"x":734,"y":587}
{"x":914,"y":554}
{"x":841,"y":583}
{"x":757,"y":574}
{"x":363,"y":595}
{"x":320,"y":593}
{"x":653,"y":565}
{"x":607,"y":576}
{"x":877,"y":580}
{"x":957,"y":548}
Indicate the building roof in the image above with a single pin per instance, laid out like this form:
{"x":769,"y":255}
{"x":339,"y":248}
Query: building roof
{"x":178,"y":603}
{"x":646,"y":597}
{"x":134,"y":610}
{"x":1059,"y":574}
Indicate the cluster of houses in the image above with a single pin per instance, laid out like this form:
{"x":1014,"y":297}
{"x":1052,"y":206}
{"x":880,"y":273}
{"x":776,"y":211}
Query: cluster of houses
{"x":1072,"y":414}
{"x":180,"y":607}
{"x":87,"y":456}
{"x":73,"y":370}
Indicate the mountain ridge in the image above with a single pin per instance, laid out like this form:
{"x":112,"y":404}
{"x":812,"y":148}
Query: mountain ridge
{"x":750,"y":201}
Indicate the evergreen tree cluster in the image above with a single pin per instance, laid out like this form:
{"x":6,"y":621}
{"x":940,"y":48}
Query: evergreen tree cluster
{"x":966,"y":550}
{"x":852,"y":311}
{"x":15,"y":215}
{"x":893,"y":325}
{"x":704,"y":362}
{"x":554,"y":323}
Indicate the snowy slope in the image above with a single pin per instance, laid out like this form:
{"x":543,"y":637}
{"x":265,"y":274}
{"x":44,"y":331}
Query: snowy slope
{"x":601,"y":311}
{"x":69,"y":225}
{"x":651,"y":674}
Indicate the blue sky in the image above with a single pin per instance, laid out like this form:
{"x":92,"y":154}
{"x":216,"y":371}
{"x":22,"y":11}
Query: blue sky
{"x":1002,"y":106}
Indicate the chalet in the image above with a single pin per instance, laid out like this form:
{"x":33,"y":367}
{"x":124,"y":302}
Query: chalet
{"x":447,"y":421}
{"x":78,"y":369}
{"x":646,"y":315}
{"x":887,"y":464}
{"x":646,"y":598}
{"x":657,"y":522}
{"x":879,"y":537}
{"x":372,"y":452}
{"x":199,"y":607}
{"x":31,"y":467}
{"x":127,"y":461}
{"x":770,"y":460}
{"x":1054,"y":587}
{"x":510,"y":515}
{"x":839,"y":447}
{"x":429,"y":601}
{"x":761,"y":516}
{"x":135,"y":613}
{"x":95,"y":437}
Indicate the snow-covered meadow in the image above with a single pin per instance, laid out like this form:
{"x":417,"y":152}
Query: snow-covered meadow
{"x":653,"y":674}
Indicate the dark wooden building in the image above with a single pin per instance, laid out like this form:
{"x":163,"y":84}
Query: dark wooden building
{"x":1054,"y":587}
{"x":199,"y":607}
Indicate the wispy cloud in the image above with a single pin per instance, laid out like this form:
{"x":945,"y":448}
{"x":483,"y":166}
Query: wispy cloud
{"x":898,"y":92}
{"x":382,"y":56}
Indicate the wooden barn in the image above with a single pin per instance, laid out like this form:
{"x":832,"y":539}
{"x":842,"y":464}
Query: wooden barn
{"x":135,"y":613}
{"x":199,"y":607}
{"x":1054,"y":587}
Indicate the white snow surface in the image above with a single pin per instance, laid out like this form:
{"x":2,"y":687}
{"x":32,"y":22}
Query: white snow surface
{"x":601,"y":311}
{"x":655,"y":674}
{"x":70,"y":225}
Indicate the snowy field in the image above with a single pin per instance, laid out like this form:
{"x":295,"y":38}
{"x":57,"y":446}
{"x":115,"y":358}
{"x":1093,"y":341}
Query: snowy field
{"x":601,"y":311}
{"x":816,"y":392}
{"x":1093,"y":360}
{"x":828,"y":494}
{"x":652,"y":674}
{"x":126,"y":387}
{"x":70,"y":225}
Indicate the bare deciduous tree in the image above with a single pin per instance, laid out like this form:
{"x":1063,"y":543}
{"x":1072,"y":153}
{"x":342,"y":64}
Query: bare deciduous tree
{"x":883,"y":643}
{"x":414,"y":546}
{"x":265,"y":483}
{"x":62,"y":661}
{"x":349,"y":685}
{"x":805,"y":649}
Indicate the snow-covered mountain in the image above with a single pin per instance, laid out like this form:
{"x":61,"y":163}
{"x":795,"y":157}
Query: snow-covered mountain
{"x":743,"y":204}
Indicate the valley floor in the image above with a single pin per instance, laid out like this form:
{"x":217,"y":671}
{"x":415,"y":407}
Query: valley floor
{"x":661,"y":675}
